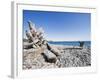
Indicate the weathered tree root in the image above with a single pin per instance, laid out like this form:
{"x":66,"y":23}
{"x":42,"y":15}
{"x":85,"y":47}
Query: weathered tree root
{"x":37,"y":41}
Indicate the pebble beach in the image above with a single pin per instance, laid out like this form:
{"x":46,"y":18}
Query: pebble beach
{"x":70,"y":56}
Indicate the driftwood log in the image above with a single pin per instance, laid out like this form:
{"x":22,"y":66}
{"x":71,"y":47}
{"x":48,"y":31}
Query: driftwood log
{"x":27,"y":45}
{"x":53,"y":49}
{"x":49,"y":56}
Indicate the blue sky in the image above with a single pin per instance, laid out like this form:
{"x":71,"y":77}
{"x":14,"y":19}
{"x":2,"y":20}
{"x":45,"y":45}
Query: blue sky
{"x":60,"y":26}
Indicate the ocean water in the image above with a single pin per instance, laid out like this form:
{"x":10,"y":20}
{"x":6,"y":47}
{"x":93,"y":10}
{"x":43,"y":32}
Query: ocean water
{"x":70,"y":43}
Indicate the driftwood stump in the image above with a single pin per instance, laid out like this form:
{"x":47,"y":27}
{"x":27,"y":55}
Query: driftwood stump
{"x":36,"y":40}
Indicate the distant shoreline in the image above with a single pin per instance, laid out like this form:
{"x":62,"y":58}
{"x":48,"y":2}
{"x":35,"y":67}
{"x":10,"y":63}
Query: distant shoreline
{"x":68,"y":40}
{"x":70,"y":43}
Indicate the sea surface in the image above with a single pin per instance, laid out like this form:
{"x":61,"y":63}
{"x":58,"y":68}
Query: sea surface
{"x":70,"y":43}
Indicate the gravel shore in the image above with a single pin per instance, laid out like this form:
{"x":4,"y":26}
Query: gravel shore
{"x":69,"y":57}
